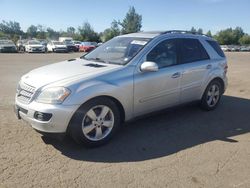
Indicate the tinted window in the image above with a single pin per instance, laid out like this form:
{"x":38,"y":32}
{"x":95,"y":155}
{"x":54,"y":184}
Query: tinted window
{"x":192,"y":50}
{"x":164,"y":54}
{"x":216,"y":47}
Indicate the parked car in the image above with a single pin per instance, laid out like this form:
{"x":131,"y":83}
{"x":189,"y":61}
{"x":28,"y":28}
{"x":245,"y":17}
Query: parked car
{"x":245,"y":48}
{"x":63,"y":39}
{"x":77,"y":44}
{"x":89,"y":97}
{"x":234,"y":48}
{"x":44,"y":42}
{"x":56,"y":46}
{"x":225,"y":48}
{"x":70,"y":46}
{"x":7,"y":46}
{"x":87,"y":46}
{"x":34,"y":46}
{"x":99,"y":44}
{"x":21,"y":45}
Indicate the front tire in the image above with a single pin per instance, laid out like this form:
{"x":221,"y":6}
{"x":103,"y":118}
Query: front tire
{"x":95,"y":122}
{"x":212,"y":95}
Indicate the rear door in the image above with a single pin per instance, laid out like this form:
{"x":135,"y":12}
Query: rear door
{"x":196,"y":66}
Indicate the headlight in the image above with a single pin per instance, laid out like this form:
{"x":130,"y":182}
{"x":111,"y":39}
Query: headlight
{"x":54,"y":95}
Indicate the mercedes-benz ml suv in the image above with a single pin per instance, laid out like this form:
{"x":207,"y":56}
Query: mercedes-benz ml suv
{"x":128,"y":76}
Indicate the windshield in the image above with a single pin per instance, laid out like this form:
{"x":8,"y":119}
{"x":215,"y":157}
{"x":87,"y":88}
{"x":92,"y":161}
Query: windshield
{"x":58,"y":43}
{"x":86,"y":44}
{"x":119,"y":50}
{"x":34,"y":42}
{"x":68,"y":42}
{"x":6,"y":42}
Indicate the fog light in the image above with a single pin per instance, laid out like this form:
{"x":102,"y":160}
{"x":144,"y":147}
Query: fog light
{"x":42,"y":116}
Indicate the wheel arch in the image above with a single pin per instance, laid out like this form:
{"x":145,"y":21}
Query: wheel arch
{"x":116,"y":101}
{"x":219,"y":79}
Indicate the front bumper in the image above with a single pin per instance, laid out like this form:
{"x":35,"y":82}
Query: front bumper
{"x":58,"y":123}
{"x":60,"y":50}
{"x":42,"y":50}
{"x":8,"y":50}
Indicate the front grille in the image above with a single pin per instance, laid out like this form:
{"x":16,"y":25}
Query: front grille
{"x":8,"y":48}
{"x":25,"y":92}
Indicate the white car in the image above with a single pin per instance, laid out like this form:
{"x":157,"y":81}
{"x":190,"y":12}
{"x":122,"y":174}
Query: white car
{"x":225,"y":48}
{"x":34,"y":46}
{"x":56,"y":46}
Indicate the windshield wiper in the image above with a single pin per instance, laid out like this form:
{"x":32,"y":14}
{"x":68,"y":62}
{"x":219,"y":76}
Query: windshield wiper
{"x":96,"y":59}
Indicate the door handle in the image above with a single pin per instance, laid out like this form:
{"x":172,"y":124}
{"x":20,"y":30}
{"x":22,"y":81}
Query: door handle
{"x":176,"y":75}
{"x":209,"y":66}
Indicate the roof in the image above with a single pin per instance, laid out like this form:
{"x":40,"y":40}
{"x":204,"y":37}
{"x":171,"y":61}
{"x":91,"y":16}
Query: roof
{"x":153,"y":34}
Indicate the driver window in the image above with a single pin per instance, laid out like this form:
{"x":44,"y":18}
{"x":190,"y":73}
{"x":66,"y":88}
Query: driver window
{"x":164,"y":54}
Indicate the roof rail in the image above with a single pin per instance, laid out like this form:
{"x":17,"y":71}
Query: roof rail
{"x":184,"y":32}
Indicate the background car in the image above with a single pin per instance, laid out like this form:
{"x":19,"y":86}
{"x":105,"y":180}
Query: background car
{"x":56,"y":46}
{"x":7,"y":46}
{"x":225,"y":48}
{"x":34,"y":46}
{"x":245,"y":48}
{"x":87,"y":46}
{"x":77,"y":44}
{"x":44,"y":42}
{"x":70,"y":46}
{"x":21,"y":45}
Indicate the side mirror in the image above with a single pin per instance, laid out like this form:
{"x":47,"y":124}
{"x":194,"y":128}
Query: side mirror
{"x":149,"y":66}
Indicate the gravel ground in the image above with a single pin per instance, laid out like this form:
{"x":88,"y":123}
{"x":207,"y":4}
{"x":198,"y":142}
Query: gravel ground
{"x":180,"y":147}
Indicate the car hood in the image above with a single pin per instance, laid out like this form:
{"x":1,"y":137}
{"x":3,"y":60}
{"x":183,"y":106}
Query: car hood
{"x":7,"y":45}
{"x":35,"y":45}
{"x":60,"y":46}
{"x":65,"y":72}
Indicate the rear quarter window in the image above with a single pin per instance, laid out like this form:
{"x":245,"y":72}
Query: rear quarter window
{"x":216,"y":47}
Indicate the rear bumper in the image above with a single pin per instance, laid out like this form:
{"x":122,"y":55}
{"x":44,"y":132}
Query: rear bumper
{"x":60,"y":50}
{"x":57,"y":123}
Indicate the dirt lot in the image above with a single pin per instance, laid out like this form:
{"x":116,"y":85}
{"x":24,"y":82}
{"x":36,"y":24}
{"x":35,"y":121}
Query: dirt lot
{"x":181,"y":147}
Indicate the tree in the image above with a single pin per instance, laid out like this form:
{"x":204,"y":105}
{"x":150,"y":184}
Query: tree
{"x":229,"y":36}
{"x":51,"y":34}
{"x":111,"y":32}
{"x":209,"y":34}
{"x":71,"y":31}
{"x":41,"y":34}
{"x":11,"y":28}
{"x":87,"y":32}
{"x":245,"y":40}
{"x":193,"y":30}
{"x":238,"y":33}
{"x":32,"y":31}
{"x":132,"y":22}
{"x":200,"y":31}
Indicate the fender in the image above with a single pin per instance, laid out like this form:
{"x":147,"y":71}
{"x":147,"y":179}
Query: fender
{"x":214,"y":73}
{"x":89,"y":90}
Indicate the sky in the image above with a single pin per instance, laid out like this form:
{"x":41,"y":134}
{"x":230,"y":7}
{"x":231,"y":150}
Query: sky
{"x":157,"y":15}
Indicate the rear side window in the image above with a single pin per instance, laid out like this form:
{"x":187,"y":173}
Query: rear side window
{"x":191,"y":50}
{"x":216,"y":47}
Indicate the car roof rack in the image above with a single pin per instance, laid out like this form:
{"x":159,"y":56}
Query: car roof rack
{"x":184,"y":32}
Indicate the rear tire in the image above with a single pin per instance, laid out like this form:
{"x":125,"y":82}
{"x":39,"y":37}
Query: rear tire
{"x":95,"y":122}
{"x":211,"y":96}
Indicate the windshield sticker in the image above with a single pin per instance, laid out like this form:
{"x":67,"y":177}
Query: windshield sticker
{"x":139,"y":42}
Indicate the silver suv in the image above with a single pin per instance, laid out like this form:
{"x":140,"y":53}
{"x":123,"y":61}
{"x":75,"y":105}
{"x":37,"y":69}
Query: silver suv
{"x":126,"y":77}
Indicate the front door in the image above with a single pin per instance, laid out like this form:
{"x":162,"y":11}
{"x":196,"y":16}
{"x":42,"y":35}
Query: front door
{"x":160,"y":89}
